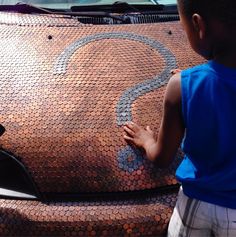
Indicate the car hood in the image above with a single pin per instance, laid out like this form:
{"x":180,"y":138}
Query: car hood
{"x":68,"y":88}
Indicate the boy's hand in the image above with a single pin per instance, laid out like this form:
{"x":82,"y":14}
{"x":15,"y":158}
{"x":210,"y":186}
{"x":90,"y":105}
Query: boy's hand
{"x":140,"y":137}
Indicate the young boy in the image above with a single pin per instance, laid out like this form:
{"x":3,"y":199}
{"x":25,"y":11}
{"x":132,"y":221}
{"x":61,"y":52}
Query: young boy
{"x":200,"y":108}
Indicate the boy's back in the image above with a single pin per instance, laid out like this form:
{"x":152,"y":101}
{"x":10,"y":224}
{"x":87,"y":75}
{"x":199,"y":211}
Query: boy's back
{"x":208,"y":171}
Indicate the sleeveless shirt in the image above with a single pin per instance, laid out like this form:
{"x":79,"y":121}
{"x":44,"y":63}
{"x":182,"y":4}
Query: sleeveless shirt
{"x":208,"y":170}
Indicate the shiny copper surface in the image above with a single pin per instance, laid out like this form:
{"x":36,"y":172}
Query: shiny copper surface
{"x":146,"y":217}
{"x":63,"y":85}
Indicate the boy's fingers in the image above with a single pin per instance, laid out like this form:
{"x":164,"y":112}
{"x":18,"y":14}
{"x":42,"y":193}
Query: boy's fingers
{"x":128,"y":125}
{"x":127,"y":138}
{"x":129,"y":131}
{"x":133,"y":126}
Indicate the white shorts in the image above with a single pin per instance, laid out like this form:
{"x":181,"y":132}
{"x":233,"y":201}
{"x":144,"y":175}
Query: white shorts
{"x":192,"y":217}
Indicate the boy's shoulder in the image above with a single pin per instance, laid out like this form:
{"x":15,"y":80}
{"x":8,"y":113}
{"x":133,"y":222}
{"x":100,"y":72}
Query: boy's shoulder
{"x":201,"y":71}
{"x":211,"y":68}
{"x":198,"y":68}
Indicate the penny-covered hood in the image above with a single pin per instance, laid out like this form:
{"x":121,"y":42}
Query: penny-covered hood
{"x":68,"y":88}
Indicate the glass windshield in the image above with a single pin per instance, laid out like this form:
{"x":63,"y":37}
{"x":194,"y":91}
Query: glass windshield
{"x":66,"y":4}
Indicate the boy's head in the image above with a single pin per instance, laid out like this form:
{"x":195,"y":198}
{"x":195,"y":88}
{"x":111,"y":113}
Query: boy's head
{"x":221,"y":10}
{"x":210,"y":25}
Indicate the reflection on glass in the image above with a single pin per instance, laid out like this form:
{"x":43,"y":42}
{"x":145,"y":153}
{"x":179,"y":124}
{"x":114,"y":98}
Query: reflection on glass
{"x":69,"y":3}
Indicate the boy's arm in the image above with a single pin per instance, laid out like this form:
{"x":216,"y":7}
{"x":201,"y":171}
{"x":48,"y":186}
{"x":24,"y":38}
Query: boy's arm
{"x":163,"y":149}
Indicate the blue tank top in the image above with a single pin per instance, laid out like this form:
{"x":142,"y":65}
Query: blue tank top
{"x":208,"y":170}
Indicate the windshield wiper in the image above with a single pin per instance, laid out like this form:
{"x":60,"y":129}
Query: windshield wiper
{"x":119,"y":7}
{"x":119,"y":11}
{"x":26,"y":8}
{"x":22,"y":7}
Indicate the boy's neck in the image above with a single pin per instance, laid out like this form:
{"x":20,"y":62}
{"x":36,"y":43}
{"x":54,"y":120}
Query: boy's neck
{"x":228,"y":60}
{"x":222,"y":43}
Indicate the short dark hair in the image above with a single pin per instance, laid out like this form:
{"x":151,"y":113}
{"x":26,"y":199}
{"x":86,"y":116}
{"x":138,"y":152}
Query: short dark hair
{"x":222,"y":10}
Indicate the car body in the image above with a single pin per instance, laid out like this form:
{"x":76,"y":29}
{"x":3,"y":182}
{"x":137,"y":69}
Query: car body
{"x":68,"y":85}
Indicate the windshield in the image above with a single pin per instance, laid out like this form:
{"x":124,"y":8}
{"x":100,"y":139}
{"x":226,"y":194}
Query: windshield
{"x":67,"y":4}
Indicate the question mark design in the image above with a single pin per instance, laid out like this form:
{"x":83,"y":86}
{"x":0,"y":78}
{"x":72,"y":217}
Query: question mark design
{"x":129,"y":158}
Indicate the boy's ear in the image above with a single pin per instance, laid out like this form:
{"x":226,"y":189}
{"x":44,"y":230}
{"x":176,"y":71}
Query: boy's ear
{"x":199,"y":25}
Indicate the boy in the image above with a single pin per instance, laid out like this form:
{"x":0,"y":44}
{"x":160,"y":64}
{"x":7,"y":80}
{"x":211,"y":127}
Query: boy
{"x":200,"y":108}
